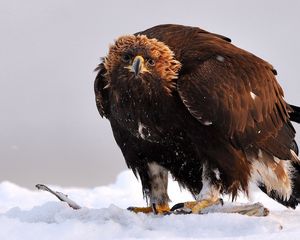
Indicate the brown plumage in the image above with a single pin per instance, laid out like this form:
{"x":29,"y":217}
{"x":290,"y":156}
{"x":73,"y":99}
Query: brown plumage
{"x":187,"y":101}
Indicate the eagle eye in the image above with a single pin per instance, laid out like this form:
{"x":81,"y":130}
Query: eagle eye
{"x":126,"y":58}
{"x":150,"y":61}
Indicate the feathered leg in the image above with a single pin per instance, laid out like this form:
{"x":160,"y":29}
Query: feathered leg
{"x":208,"y":196}
{"x":155,"y":190}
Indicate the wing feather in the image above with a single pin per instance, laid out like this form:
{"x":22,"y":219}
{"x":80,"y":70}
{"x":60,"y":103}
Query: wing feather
{"x":231,"y":88}
{"x":239,"y":95}
{"x":101,"y":91}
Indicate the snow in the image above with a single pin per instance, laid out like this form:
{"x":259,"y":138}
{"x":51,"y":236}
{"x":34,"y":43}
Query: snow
{"x":26,"y":214}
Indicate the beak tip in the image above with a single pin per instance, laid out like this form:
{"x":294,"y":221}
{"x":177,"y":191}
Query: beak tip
{"x":137,"y":65}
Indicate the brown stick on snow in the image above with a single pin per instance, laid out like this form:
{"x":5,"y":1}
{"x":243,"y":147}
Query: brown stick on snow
{"x":62,"y":197}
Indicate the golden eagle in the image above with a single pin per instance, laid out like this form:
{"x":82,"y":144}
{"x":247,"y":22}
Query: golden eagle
{"x":185,"y":101}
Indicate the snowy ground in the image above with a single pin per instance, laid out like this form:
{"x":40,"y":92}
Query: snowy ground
{"x":26,"y":214}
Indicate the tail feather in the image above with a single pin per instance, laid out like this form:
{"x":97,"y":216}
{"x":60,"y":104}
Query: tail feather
{"x":292,"y":202}
{"x":294,"y":199}
{"x":296,"y":182}
{"x":295,"y":115}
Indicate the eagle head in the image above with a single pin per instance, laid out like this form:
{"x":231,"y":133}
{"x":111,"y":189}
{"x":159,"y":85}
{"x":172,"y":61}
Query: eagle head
{"x":137,"y":58}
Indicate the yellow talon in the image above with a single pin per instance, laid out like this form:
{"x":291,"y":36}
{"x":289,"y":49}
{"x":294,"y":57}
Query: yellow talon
{"x":161,"y":208}
{"x":156,"y":208}
{"x":197,"y":206}
{"x":203,"y":204}
{"x":140,"y":209}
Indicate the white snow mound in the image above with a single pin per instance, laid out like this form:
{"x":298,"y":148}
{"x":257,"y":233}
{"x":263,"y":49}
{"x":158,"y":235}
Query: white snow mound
{"x":26,"y":214}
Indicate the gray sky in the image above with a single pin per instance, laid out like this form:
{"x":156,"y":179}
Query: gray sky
{"x":50,"y":130}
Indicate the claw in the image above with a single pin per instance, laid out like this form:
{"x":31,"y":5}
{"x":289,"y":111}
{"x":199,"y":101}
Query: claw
{"x":177,"y":206}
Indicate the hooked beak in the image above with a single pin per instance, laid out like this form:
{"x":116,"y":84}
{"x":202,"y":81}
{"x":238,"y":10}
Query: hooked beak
{"x":138,"y":65}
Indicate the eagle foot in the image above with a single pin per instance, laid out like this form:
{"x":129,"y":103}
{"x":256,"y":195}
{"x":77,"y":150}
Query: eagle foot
{"x":208,"y":206}
{"x":195,"y":207}
{"x":162,"y":209}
